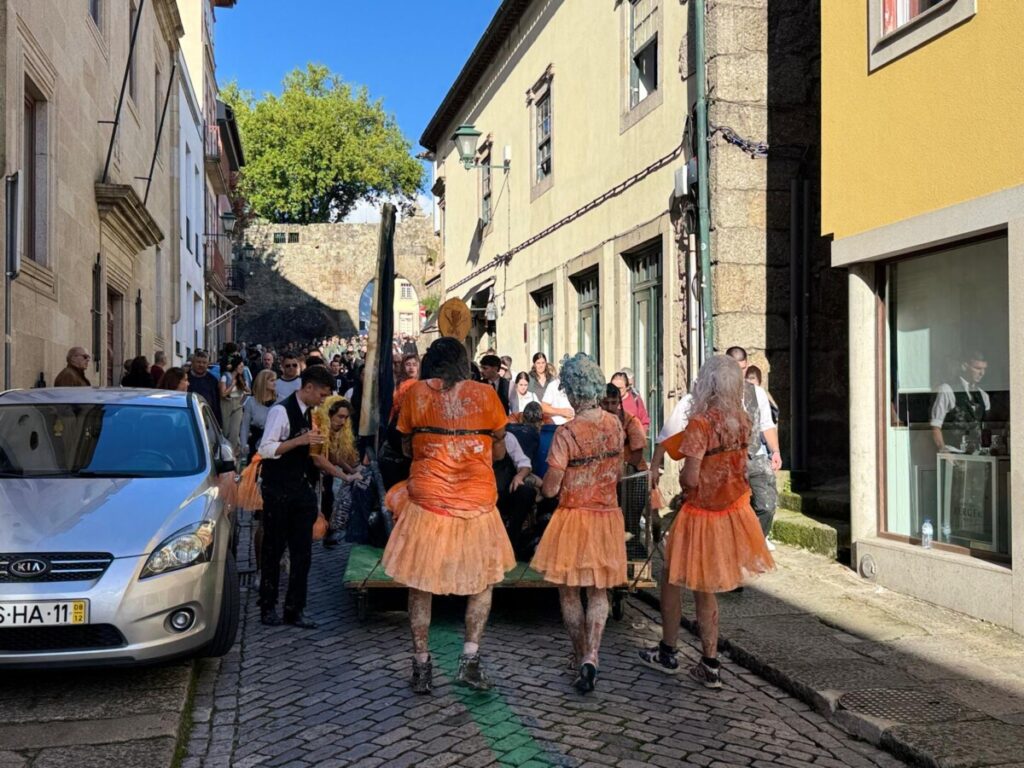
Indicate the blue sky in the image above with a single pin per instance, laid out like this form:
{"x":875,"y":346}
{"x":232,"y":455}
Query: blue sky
{"x":407,"y":52}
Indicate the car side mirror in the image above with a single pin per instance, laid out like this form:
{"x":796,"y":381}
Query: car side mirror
{"x":224,"y":460}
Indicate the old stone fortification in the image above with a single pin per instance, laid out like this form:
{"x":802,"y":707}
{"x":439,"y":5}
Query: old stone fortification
{"x":309,"y":288}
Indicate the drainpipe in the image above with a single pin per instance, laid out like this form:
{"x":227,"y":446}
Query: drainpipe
{"x":703,"y":193}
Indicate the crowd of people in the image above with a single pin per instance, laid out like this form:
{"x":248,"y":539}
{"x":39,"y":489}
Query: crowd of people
{"x":482,"y":466}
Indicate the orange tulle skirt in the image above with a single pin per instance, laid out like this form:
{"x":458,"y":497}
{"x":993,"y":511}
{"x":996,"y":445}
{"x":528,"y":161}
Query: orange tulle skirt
{"x":446,"y":555}
{"x":715,"y":551}
{"x":582,"y":548}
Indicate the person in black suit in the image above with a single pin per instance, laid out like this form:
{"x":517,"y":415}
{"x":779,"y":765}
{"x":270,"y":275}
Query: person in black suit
{"x":490,"y":373}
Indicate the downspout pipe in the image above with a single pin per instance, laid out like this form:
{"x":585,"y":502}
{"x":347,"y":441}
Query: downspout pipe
{"x":703,"y":191}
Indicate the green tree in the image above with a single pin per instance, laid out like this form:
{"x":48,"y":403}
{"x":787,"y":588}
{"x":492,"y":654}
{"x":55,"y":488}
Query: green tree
{"x":319,"y":148}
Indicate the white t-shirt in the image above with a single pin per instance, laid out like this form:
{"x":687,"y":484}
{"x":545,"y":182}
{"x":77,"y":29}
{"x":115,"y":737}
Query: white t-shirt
{"x":556,"y":398}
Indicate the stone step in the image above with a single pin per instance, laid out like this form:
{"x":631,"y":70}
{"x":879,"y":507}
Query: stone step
{"x":826,"y":504}
{"x":831,"y":539}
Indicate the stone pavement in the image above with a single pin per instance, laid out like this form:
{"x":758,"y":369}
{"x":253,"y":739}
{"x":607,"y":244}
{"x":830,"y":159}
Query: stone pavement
{"x":92,"y":719}
{"x":933,"y":686}
{"x":339,"y":696}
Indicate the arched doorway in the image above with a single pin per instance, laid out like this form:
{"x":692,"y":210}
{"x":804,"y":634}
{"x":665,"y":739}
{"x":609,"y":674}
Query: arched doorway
{"x":407,"y":311}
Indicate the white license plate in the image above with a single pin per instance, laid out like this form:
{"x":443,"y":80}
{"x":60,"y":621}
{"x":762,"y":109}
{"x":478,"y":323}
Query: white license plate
{"x":49,"y":613}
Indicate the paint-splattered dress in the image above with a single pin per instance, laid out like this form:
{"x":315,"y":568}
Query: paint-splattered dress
{"x":716,"y":540}
{"x":449,"y":538}
{"x":584,"y":545}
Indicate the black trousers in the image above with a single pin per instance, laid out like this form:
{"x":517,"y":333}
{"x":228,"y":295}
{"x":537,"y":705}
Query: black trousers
{"x":288,"y":517}
{"x":514,"y":507}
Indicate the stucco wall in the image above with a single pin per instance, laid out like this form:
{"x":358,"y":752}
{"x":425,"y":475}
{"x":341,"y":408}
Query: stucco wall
{"x":936,"y":127}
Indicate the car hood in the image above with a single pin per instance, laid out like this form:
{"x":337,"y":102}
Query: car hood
{"x":122,"y":516}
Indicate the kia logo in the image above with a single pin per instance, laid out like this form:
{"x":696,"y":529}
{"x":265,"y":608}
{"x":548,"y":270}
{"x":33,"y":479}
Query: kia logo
{"x":28,"y":567}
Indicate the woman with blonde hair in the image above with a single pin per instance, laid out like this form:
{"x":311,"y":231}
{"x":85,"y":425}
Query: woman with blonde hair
{"x":715,"y":541}
{"x":256,"y":408}
{"x":584,"y":545}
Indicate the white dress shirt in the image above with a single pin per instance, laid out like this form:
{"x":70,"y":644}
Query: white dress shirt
{"x":277,"y":430}
{"x":677,"y":422}
{"x":945,"y":401}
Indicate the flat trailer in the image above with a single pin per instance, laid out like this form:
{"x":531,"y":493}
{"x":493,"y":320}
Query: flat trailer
{"x":365,"y":573}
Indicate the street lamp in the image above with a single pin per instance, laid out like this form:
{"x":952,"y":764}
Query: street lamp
{"x":466,"y":137}
{"x":227,"y":220}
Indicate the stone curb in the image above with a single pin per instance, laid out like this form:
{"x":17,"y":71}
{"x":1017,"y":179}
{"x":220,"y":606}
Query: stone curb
{"x":885,"y":734}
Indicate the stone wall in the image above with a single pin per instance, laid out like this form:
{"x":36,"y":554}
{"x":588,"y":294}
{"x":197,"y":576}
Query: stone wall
{"x":296,"y":291}
{"x":764,"y":80}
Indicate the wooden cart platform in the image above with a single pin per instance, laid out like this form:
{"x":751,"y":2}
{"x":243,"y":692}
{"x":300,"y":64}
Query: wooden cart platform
{"x":364,"y":572}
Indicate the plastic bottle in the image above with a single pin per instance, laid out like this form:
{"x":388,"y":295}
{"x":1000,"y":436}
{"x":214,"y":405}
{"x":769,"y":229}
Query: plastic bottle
{"x":947,"y":531}
{"x":926,"y":534}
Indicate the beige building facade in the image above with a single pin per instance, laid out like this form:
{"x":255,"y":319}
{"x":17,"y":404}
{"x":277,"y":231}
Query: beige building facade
{"x":97,"y":197}
{"x":572,"y":241}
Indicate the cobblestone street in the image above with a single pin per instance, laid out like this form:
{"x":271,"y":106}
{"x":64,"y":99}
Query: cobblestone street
{"x":339,"y":696}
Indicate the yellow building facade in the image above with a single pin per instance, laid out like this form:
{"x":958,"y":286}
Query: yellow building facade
{"x":923,"y":193}
{"x":568,"y":236}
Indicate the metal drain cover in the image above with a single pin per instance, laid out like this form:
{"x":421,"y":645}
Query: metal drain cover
{"x":901,"y":706}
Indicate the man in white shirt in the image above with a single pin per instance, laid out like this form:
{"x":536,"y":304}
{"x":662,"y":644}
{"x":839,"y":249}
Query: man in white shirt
{"x":288,"y":477}
{"x":764,"y":456}
{"x":958,"y":412}
{"x":288,"y":382}
{"x":516,"y":492}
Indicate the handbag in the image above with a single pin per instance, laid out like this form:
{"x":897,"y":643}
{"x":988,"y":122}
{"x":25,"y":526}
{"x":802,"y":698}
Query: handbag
{"x":249,"y":495}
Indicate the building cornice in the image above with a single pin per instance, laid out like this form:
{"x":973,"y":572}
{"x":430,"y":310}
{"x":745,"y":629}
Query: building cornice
{"x":170,"y":20}
{"x":505,"y":19}
{"x":122,"y":211}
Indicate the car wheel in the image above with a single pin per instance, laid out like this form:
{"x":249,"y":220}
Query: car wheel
{"x":227,"y":622}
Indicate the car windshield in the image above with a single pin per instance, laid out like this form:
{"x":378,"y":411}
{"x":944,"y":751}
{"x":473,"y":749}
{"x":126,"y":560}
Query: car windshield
{"x":94,"y":440}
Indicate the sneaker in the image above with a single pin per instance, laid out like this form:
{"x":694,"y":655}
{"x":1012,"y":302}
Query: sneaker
{"x":709,"y":677}
{"x":422,"y":676}
{"x":586,"y":678}
{"x":471,"y":674}
{"x":661,"y":657}
{"x":770,"y":544}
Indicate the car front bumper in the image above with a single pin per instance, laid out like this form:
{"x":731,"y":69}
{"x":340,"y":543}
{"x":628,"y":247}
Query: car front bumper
{"x":138,"y":609}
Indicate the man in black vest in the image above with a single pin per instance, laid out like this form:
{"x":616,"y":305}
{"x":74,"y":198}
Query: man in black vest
{"x":289,"y":499}
{"x":960,"y":406}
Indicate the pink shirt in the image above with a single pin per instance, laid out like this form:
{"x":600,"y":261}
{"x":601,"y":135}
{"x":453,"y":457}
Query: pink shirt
{"x":633,"y":404}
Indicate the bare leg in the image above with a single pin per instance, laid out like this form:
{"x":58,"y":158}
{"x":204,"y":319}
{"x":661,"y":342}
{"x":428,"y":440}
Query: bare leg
{"x":572,"y":615}
{"x":478,"y":608}
{"x":671,"y":613}
{"x":597,"y":615}
{"x":419,"y":620}
{"x":707,"y":618}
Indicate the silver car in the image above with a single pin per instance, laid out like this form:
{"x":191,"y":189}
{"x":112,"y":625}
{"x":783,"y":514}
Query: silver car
{"x":116,"y":535}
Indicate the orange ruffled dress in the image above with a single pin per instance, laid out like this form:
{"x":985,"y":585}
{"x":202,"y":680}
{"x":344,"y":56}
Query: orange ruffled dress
{"x":584,"y":545}
{"x":716,"y":541}
{"x":448,"y":538}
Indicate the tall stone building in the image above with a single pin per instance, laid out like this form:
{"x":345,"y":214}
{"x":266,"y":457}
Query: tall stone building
{"x":310,"y":281}
{"x":97,"y":180}
{"x":585,"y":239}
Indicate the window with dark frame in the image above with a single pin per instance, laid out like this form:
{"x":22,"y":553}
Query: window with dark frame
{"x":543,"y":110}
{"x":133,"y":13}
{"x":545,"y":301}
{"x":293,"y":237}
{"x":588,"y":297}
{"x":279,"y":238}
{"x":485,"y":190}
{"x":35,"y":173}
{"x":643,"y":50}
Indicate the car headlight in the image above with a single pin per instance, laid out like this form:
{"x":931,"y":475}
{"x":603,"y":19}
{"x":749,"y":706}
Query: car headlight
{"x":189,"y":546}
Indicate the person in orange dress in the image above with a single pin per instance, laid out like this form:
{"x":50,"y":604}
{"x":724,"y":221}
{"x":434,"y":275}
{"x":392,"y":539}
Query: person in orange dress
{"x":448,"y":537}
{"x":715,"y":541}
{"x":584,"y":545}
